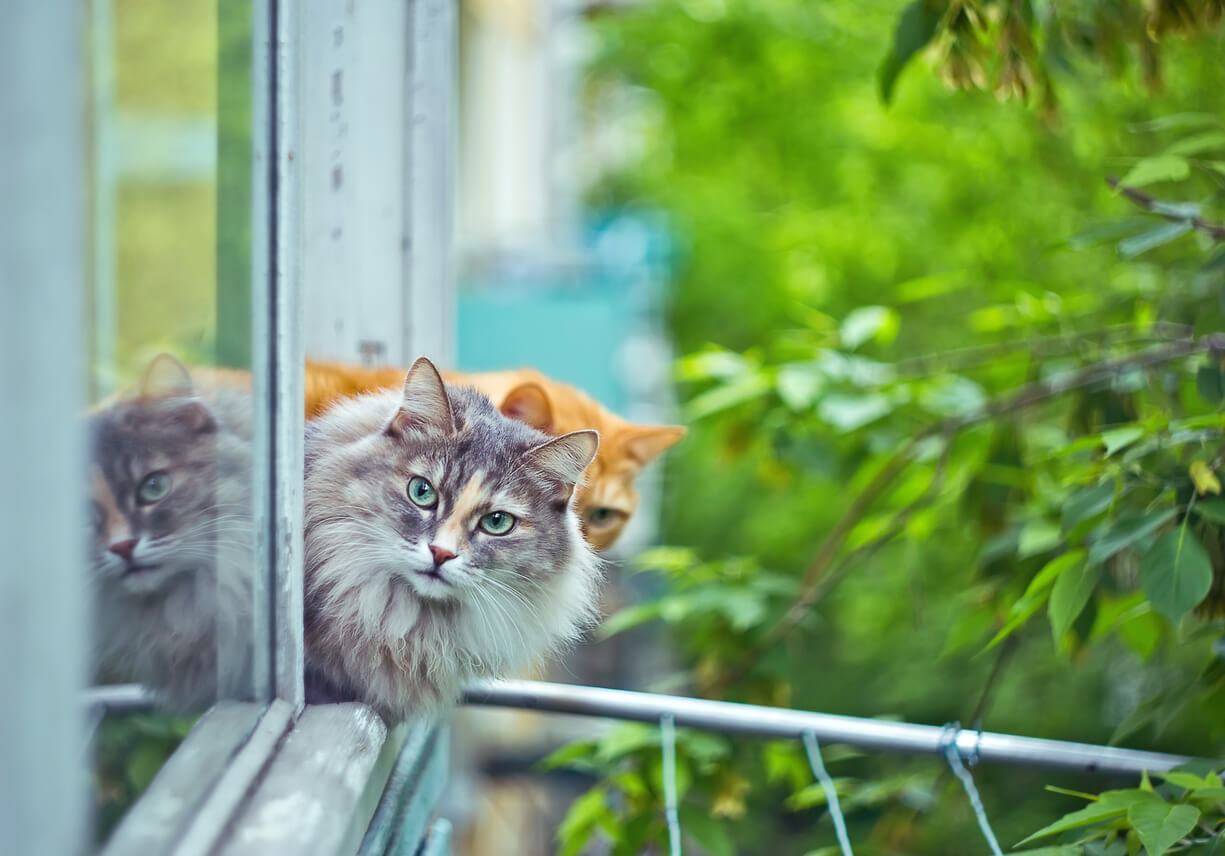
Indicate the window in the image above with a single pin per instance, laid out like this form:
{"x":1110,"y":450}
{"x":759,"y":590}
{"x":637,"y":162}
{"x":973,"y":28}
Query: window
{"x":203,"y":209}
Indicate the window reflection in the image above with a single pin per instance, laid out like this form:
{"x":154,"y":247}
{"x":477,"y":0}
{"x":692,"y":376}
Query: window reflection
{"x":170,"y":468}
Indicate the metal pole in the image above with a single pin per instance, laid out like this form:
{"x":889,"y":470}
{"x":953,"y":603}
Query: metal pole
{"x":777,"y":722}
{"x":759,"y":721}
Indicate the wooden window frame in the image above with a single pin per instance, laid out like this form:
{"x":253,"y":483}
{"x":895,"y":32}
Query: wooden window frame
{"x":274,"y":775}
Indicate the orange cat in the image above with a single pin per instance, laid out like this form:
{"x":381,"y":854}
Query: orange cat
{"x":607,"y":498}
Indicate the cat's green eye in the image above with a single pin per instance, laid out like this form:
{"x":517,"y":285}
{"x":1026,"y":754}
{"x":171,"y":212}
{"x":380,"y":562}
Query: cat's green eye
{"x":153,"y":488}
{"x":422,"y":493}
{"x":497,"y":522}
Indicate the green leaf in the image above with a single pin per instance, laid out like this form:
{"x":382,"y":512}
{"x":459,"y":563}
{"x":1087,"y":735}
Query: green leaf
{"x":1021,"y":612}
{"x":1090,"y":814}
{"x":1161,"y":826}
{"x":1176,"y":573}
{"x":146,"y":759}
{"x":1121,"y":438}
{"x":1087,"y":503}
{"x":1198,"y":143}
{"x":1070,"y":793}
{"x":624,"y":739}
{"x":1036,"y":594}
{"x":848,"y":412}
{"x":798,"y":385}
{"x":575,"y":754}
{"x":711,"y":364}
{"x":631,"y":616}
{"x":1122,"y":532}
{"x":1190,"y":781}
{"x":1178,"y":120}
{"x":1142,"y":631}
{"x":711,"y":833}
{"x":868,"y":322}
{"x":1071,"y":592}
{"x":1110,"y":230}
{"x":1210,"y":384}
{"x":1158,"y":168}
{"x":580,"y":821}
{"x":1153,"y":238}
{"x":1037,"y":536}
{"x":727,"y":396}
{"x":915,"y":28}
{"x":1204,"y":479}
{"x":1057,"y":850}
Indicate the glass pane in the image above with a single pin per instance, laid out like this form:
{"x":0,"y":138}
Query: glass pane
{"x":170,"y":424}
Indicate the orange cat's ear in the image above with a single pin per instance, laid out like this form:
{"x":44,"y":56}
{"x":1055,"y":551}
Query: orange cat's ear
{"x":425,"y":406}
{"x":565,"y":457}
{"x":166,"y":377}
{"x":529,"y":403}
{"x":644,"y":443}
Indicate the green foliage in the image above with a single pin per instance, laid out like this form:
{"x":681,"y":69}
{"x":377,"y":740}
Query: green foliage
{"x":1183,"y":814}
{"x":954,"y":390}
{"x":129,"y":752}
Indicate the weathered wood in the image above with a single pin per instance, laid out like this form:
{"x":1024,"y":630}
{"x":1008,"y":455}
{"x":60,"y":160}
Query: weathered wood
{"x":430,"y":312}
{"x":277,"y":349}
{"x":184,"y":781}
{"x":210,"y":820}
{"x":439,"y":841}
{"x":42,"y":455}
{"x":355,"y":127}
{"x":418,"y":743}
{"x":307,"y":799}
{"x":421,"y":794}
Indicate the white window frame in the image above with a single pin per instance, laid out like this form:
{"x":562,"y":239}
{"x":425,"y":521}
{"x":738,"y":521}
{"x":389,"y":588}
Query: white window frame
{"x":354,"y":785}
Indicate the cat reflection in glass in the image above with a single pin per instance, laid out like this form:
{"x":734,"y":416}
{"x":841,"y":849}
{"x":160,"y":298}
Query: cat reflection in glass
{"x":172,"y":550}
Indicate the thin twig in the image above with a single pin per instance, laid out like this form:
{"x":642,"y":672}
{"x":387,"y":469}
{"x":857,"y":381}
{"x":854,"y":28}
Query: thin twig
{"x":1161,"y":209}
{"x":980,"y":708}
{"x":961,"y":359}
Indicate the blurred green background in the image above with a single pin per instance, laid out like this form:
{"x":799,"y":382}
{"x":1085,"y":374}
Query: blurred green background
{"x":862,"y":284}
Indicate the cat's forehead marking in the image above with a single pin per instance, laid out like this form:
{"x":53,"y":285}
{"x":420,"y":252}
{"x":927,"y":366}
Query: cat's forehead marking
{"x":471,"y":497}
{"x":105,"y":498}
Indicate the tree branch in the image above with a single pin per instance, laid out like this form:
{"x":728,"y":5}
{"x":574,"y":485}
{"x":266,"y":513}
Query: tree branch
{"x":1161,"y":209}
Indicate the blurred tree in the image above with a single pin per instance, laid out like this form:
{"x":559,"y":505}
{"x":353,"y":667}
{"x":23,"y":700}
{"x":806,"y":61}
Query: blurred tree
{"x":956,"y":442}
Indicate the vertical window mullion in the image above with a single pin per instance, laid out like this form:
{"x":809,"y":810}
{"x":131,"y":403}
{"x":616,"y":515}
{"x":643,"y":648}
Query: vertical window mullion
{"x":42,"y":458}
{"x":277,"y":348}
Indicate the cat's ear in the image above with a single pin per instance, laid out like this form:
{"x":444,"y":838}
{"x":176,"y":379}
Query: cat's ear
{"x":644,"y":443}
{"x":565,"y":457}
{"x":529,"y":403}
{"x":425,"y":407}
{"x":168,"y":380}
{"x":166,"y":377}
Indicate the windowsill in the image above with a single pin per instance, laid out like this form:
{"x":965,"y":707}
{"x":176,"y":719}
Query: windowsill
{"x":249,"y":779}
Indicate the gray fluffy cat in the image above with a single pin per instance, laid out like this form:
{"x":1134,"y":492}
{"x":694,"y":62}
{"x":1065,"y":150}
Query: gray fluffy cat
{"x":172,"y":537}
{"x":441,"y":545}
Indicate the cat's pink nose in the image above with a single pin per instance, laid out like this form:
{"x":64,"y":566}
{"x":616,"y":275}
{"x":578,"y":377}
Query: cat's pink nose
{"x":441,"y":554}
{"x":123,"y":549}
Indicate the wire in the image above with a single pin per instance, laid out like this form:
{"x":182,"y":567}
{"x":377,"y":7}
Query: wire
{"x":831,"y":793}
{"x":948,"y":746}
{"x":667,"y":733}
